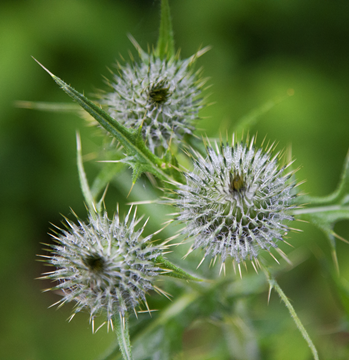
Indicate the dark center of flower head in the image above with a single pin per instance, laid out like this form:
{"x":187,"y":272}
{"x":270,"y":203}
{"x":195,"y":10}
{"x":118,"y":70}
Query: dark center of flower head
{"x":159,"y":93}
{"x":94,"y":262}
{"x":236,"y":182}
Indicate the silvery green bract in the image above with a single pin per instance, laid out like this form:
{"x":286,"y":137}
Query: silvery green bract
{"x":235,"y":201}
{"x":104,"y":265}
{"x":161,"y":95}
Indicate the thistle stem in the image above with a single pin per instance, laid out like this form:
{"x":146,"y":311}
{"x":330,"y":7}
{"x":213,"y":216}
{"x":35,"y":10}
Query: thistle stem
{"x":273,"y":284}
{"x":122,"y":333}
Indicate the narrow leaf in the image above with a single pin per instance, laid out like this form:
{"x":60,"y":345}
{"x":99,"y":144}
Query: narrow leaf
{"x":122,"y":334}
{"x":165,"y":47}
{"x":83,"y":179}
{"x":174,"y":271}
{"x":324,"y":212}
{"x":142,"y":157}
{"x":47,"y":106}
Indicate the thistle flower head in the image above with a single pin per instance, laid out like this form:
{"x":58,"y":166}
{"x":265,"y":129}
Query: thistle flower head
{"x":161,"y":95}
{"x":104,"y":265}
{"x":235,"y":202}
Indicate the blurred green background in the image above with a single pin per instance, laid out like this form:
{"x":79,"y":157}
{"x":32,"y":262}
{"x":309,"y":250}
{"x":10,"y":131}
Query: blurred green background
{"x":260,"y":50}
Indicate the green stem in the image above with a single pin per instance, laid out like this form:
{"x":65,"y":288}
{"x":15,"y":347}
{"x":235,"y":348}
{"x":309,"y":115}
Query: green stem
{"x":275,"y":285}
{"x":123,"y":335}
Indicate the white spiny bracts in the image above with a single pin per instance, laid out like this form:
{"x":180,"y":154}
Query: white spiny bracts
{"x":104,"y":265}
{"x":161,"y":95}
{"x":235,"y":201}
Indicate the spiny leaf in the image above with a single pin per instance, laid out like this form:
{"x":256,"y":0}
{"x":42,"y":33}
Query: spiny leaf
{"x":324,"y":212}
{"x":174,"y":270}
{"x":142,"y":158}
{"x":165,"y":47}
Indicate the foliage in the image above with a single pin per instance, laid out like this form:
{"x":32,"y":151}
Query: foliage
{"x":198,"y":295}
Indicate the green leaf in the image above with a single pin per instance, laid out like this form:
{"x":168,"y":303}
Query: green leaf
{"x":165,"y":47}
{"x":324,"y":212}
{"x":140,"y":157}
{"x":47,"y":106}
{"x":174,"y":271}
{"x":122,"y":333}
{"x":85,"y":188}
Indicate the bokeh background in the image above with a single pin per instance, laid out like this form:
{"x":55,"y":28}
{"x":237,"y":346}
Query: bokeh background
{"x":260,"y":50}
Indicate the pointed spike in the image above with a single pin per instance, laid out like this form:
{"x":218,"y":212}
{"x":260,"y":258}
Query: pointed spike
{"x":188,"y":252}
{"x":100,"y":326}
{"x":284,"y":256}
{"x":273,"y":257}
{"x":202,"y":260}
{"x":222,"y":268}
{"x":239,"y":267}
{"x":269,"y":292}
{"x":254,"y":266}
{"x":162,"y":292}
{"x":111,"y":325}
{"x":147,"y":306}
{"x":339,"y":237}
{"x":335,"y":260}
{"x":287,"y":243}
{"x":234,"y":267}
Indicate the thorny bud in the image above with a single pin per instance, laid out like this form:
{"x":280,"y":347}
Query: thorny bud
{"x":162,"y":96}
{"x":235,"y":202}
{"x":104,"y":265}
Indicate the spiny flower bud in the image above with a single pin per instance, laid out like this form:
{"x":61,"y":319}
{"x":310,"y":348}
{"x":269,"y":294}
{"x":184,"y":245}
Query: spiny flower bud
{"x":161,"y":95}
{"x":104,"y":265}
{"x":235,"y":202}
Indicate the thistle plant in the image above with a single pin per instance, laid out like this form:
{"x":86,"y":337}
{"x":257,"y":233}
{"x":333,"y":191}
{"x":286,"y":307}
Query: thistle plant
{"x":104,"y":265}
{"x":160,"y":95}
{"x":235,"y":201}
